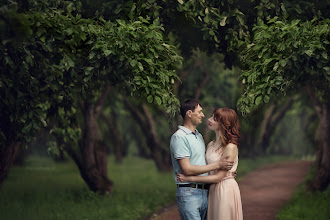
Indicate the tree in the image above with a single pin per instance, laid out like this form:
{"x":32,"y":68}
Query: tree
{"x":71,"y":63}
{"x":286,"y":54}
{"x":272,"y":117}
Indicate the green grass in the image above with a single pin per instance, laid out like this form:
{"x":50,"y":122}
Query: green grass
{"x":43,"y":189}
{"x":307,"y":205}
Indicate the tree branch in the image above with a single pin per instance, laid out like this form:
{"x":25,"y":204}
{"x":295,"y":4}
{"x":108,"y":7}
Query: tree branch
{"x":135,"y":113}
{"x":100,"y":102}
{"x":280,"y":113}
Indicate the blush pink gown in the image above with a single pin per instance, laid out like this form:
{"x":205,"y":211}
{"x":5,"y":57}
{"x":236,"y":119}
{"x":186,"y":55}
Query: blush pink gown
{"x":224,"y":197}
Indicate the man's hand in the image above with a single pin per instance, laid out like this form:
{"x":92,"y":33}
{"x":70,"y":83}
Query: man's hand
{"x":225,"y":164}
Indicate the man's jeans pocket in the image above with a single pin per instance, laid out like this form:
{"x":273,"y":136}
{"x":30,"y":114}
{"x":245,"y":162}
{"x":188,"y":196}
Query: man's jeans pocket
{"x":192,"y":203}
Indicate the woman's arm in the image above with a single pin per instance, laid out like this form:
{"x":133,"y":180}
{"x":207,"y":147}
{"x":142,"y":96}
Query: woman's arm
{"x":231,"y":151}
{"x":190,"y":170}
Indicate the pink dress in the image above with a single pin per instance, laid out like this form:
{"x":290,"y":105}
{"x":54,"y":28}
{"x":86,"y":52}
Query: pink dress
{"x":224,"y":197}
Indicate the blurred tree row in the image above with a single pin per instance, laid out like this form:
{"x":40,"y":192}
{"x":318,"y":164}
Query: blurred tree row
{"x":101,"y":76}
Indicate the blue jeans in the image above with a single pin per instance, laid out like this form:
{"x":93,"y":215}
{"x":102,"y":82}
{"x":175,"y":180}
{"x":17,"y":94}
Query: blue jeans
{"x":192,"y":203}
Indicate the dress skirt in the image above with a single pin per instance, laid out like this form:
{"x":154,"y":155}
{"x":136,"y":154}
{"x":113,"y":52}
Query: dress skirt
{"x":224,"y":201}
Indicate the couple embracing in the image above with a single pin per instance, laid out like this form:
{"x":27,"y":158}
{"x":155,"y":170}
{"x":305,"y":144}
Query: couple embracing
{"x":206,"y":185}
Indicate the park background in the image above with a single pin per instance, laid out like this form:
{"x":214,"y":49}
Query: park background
{"x":90,"y":92}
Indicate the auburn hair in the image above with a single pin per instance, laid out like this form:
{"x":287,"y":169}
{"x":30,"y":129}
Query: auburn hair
{"x":229,"y":125}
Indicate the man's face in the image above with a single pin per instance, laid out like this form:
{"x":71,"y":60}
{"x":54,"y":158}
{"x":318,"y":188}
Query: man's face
{"x":197,"y":115}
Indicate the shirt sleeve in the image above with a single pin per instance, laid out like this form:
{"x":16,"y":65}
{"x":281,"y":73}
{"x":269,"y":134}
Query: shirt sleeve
{"x":179,"y":147}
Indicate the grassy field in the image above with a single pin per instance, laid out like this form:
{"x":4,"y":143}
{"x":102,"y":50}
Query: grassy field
{"x":307,"y":205}
{"x":43,"y":189}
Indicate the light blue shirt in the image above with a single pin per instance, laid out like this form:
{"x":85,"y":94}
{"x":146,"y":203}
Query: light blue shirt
{"x":186,"y":144}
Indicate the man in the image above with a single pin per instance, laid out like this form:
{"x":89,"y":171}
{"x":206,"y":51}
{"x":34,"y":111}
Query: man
{"x":188,"y":156}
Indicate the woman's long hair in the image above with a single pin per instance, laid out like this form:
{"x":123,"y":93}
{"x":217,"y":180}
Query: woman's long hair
{"x":229,"y":125}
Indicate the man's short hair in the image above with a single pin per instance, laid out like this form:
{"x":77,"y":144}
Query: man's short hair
{"x":190,"y":104}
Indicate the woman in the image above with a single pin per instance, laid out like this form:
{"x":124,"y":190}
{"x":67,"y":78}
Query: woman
{"x":224,"y":202}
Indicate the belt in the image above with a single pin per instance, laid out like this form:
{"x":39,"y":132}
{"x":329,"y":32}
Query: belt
{"x":193,"y":185}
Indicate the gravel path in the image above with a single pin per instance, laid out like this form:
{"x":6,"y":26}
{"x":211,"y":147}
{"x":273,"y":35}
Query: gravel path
{"x":263,"y":191}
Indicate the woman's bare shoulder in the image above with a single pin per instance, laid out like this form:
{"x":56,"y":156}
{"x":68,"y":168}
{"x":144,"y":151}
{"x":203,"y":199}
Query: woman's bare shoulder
{"x":231,"y":147}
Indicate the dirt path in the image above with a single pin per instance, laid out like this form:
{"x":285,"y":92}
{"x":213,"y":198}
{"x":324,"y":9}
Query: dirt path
{"x":263,"y":192}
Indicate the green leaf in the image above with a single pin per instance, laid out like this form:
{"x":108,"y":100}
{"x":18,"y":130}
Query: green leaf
{"x":158,"y":100}
{"x":150,"y":98}
{"x":68,"y":31}
{"x":269,"y":90}
{"x":206,"y":35}
{"x":133,"y":63}
{"x":88,"y":70}
{"x":257,"y":100}
{"x":206,"y":19}
{"x":266,"y":34}
{"x":223,"y":21}
{"x":266,"y":99}
{"x":140,"y":66}
{"x":180,"y":1}
{"x":325,"y":55}
{"x":327,"y":70}
{"x":309,"y":52}
{"x":107,"y":52}
{"x":283,"y":63}
{"x":69,"y":63}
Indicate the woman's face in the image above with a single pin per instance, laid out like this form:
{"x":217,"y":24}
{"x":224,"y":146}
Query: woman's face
{"x":212,"y":124}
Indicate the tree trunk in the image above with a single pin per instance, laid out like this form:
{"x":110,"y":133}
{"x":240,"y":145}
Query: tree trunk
{"x":20,"y":156}
{"x":7,"y":156}
{"x":94,"y":157}
{"x":143,"y":151}
{"x":114,"y":133}
{"x":144,"y":118}
{"x":271,"y":119}
{"x":322,"y":178}
{"x":160,"y":155}
{"x":61,"y":156}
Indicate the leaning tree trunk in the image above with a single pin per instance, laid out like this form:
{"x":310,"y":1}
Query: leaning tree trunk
{"x":322,"y":178}
{"x":271,"y":119}
{"x":160,"y":155}
{"x":7,"y":156}
{"x":143,"y":117}
{"x":143,"y":151}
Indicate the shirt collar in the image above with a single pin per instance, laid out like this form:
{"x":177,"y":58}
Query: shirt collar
{"x":186,"y":130}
